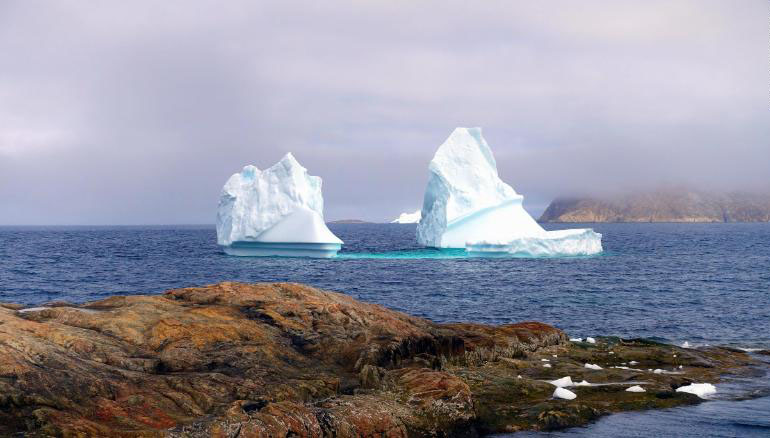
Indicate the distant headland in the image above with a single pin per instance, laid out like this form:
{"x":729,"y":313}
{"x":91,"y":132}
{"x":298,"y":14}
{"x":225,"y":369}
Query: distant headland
{"x":663,"y":205}
{"x":349,"y":221}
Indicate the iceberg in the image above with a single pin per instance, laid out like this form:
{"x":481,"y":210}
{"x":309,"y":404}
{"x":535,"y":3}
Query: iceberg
{"x":467,"y":205}
{"x":408,"y":218}
{"x":274,"y":212}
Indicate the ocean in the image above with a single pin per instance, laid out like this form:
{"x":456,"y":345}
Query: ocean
{"x":707,"y":284}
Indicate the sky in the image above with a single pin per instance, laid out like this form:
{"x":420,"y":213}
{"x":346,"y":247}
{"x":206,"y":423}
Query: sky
{"x":117,"y":112}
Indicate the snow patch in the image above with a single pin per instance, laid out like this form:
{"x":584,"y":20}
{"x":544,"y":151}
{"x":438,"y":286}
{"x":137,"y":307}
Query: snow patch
{"x":592,"y":366}
{"x":635,"y":388}
{"x":564,"y":394}
{"x":563,"y":382}
{"x":699,"y":389}
{"x":33,"y":309}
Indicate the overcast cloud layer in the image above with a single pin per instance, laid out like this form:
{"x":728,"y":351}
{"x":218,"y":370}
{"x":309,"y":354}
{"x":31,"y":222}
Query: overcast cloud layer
{"x":137,"y":112}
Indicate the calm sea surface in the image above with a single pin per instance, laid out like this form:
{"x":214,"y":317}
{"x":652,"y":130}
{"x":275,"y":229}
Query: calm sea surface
{"x":701,"y":283}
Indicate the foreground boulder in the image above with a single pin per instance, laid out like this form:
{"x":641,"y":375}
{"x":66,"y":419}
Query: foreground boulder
{"x":289,"y":360}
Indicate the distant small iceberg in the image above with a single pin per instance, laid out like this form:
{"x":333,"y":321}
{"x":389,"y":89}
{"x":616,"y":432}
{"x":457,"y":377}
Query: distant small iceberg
{"x":275,"y":212}
{"x":408,"y":218}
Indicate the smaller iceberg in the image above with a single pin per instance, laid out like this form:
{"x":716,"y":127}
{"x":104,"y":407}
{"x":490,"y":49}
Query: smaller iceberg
{"x":700,"y":389}
{"x":564,"y":382}
{"x":564,"y":394}
{"x":274,"y":212}
{"x":467,"y":205}
{"x":408,"y":218}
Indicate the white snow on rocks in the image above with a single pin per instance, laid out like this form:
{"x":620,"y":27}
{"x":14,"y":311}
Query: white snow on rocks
{"x":576,"y":339}
{"x":699,"y":389}
{"x":408,"y":218}
{"x":636,"y":388}
{"x":277,"y":211}
{"x":590,"y":340}
{"x":563,"y":393}
{"x":564,"y":382}
{"x":467,"y":205}
{"x":686,"y":344}
{"x":33,"y":309}
{"x":592,"y":366}
{"x":546,"y":365}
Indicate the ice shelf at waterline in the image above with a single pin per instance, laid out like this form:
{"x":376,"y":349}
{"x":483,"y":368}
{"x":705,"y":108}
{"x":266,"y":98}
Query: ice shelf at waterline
{"x":274,"y":212}
{"x":467,"y":205}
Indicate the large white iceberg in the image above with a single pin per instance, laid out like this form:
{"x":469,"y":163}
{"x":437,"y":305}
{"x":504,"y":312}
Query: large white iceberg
{"x":274,"y":212}
{"x":408,"y":218}
{"x":467,"y":205}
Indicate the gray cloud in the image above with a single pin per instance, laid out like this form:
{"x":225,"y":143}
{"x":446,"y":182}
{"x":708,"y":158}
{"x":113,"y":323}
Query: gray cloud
{"x":137,"y":112}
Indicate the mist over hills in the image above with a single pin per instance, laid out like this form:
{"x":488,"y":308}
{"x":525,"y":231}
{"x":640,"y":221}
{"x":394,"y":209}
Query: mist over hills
{"x":662,"y":205}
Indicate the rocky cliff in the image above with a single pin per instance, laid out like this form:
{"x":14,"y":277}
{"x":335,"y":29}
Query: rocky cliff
{"x":270,"y":360}
{"x":662,"y":206}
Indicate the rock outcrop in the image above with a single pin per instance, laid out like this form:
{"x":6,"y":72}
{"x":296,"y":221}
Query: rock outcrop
{"x":662,"y":206}
{"x":260,"y":360}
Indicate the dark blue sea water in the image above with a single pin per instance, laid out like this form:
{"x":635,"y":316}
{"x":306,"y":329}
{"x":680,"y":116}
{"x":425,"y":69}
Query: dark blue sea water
{"x":703,"y":283}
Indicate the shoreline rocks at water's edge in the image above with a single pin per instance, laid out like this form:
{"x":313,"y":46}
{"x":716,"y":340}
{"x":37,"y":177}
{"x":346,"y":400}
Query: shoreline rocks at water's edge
{"x":278,"y":359}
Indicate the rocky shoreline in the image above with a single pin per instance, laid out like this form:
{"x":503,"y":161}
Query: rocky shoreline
{"x":240,"y":360}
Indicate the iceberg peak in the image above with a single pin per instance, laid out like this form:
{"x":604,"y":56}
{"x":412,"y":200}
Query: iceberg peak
{"x":465,"y":195}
